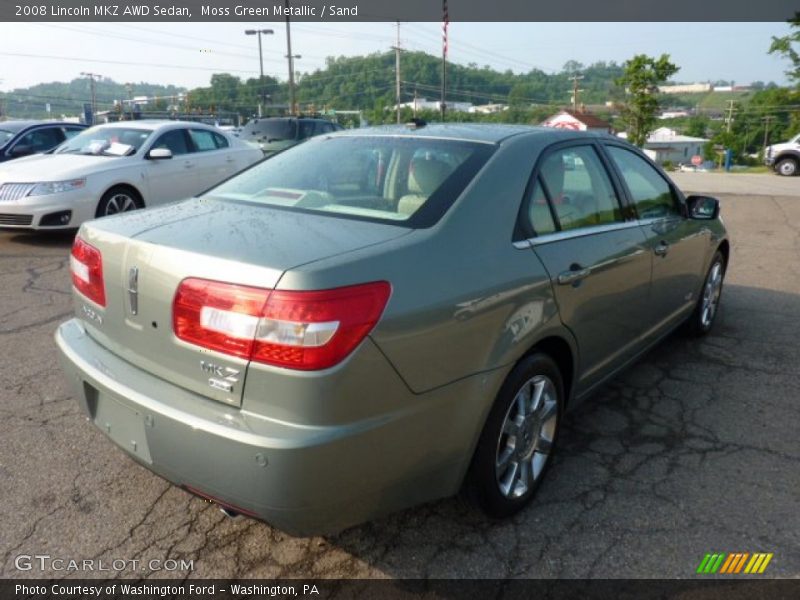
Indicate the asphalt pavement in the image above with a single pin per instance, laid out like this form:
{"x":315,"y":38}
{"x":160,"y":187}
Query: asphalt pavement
{"x":692,"y":450}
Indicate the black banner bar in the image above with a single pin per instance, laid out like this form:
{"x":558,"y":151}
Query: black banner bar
{"x":394,"y":10}
{"x":333,"y":589}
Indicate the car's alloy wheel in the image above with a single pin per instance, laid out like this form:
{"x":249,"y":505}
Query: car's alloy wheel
{"x":518,"y":439}
{"x":526,"y":437}
{"x":787,"y":167}
{"x":708,"y":304}
{"x":711,"y":294}
{"x":117,"y":201}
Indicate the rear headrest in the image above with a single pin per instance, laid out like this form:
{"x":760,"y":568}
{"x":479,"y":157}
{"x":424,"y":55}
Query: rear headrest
{"x":427,"y":175}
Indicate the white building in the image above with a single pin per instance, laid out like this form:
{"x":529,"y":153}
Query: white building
{"x":689,"y":88}
{"x":424,"y":104}
{"x":487,"y":109}
{"x":665,"y":144}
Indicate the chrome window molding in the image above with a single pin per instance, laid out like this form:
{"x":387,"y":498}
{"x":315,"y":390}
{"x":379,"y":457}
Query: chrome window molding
{"x":574,"y":233}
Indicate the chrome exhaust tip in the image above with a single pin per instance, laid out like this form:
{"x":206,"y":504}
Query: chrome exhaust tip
{"x":231,"y":514}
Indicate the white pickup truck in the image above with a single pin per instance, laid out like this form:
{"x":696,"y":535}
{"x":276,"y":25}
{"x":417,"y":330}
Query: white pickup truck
{"x":784,"y":157}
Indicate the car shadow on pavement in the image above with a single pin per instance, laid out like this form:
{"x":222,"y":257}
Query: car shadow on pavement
{"x":45,"y":239}
{"x":689,"y":432}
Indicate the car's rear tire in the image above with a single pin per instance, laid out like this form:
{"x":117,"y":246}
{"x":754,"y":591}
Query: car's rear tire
{"x":117,"y":200}
{"x":705,"y":313}
{"x":787,"y":167}
{"x":518,"y":440}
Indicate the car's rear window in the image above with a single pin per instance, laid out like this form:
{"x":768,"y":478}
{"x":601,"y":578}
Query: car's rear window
{"x":404,"y":180}
{"x":271,"y":130}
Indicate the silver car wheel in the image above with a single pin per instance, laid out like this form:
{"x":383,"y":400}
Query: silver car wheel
{"x":526,"y":438}
{"x":119,"y":202}
{"x":787,"y":167}
{"x":711,"y":294}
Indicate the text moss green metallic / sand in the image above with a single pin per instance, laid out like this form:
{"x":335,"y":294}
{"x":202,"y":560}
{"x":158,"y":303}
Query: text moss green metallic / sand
{"x":381,"y":317}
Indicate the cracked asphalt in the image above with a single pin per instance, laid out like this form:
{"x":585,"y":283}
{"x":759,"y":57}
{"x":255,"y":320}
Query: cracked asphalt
{"x":692,"y":450}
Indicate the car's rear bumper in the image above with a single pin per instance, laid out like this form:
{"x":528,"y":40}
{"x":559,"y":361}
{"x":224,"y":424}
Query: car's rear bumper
{"x":303,"y":479}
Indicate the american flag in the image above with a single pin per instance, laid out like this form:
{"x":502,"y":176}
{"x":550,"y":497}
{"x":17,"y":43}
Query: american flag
{"x":445,"y":23}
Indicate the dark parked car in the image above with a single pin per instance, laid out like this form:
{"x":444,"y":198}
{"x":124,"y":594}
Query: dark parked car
{"x":274,"y":134}
{"x":381,"y":317}
{"x":22,"y":138}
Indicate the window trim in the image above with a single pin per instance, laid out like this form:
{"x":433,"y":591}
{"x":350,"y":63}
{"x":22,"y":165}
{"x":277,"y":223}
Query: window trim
{"x":524,"y":231}
{"x":677,"y":195}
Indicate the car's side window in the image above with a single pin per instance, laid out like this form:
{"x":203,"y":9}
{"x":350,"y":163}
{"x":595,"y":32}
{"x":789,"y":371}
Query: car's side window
{"x":220,"y":140}
{"x":174,"y":141}
{"x":306,"y":129}
{"x":42,"y":139}
{"x":579,"y":189}
{"x":652,"y":195}
{"x":203,"y":140}
{"x":539,"y":213}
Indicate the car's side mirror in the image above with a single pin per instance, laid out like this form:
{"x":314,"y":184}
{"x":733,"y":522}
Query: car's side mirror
{"x":702,"y":207}
{"x":21,"y":150}
{"x":159,"y":154}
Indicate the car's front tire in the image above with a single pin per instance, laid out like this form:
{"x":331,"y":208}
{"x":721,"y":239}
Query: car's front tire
{"x":702,"y":319}
{"x":787,"y":167}
{"x":118,"y":200}
{"x":517,"y":443}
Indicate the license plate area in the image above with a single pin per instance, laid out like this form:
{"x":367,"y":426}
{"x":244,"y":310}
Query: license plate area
{"x":123,"y":424}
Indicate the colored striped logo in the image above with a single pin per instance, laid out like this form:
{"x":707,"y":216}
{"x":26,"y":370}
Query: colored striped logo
{"x":734,"y":563}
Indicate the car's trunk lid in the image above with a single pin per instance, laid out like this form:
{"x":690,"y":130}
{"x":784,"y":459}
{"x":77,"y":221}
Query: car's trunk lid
{"x":145,"y":256}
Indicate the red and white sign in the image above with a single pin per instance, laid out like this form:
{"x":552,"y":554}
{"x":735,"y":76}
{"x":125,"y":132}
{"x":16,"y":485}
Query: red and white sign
{"x":697,"y":160}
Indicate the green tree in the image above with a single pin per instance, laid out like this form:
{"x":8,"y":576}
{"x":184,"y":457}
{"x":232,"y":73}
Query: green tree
{"x":640,"y":78}
{"x":785,"y":47}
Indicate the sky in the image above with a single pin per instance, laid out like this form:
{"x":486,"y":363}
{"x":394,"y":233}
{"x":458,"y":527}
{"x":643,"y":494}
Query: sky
{"x":187,"y":54}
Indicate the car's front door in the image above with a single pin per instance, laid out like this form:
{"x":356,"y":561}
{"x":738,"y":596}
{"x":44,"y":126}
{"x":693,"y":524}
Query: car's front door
{"x":678,"y":245}
{"x":596,"y":259}
{"x":173,"y":178}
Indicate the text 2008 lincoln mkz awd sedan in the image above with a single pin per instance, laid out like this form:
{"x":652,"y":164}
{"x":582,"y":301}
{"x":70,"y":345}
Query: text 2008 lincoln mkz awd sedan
{"x":377,"y":318}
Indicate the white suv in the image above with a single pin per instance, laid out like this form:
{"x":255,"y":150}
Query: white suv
{"x":784,"y":157}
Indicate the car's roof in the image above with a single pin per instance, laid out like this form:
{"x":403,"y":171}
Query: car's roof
{"x":154,"y":124}
{"x":16,"y":126}
{"x":474,"y":132}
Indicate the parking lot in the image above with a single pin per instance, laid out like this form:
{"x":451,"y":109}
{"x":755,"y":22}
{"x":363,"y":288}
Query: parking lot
{"x":692,"y":450}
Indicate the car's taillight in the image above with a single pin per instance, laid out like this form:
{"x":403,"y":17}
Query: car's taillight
{"x":306,"y":330}
{"x":86,"y":267}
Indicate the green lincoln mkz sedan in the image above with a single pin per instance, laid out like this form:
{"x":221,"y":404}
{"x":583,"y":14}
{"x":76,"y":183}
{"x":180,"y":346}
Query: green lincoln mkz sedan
{"x":381,"y":317}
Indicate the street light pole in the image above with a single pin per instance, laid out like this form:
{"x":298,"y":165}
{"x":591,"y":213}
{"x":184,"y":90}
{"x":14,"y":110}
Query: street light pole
{"x":291,"y":58}
{"x":260,"y":63}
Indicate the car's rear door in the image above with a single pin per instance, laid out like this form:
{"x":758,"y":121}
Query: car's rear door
{"x":213,"y":164}
{"x":678,"y":245}
{"x":595,"y":256}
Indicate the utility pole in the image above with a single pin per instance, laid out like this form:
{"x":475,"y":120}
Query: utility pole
{"x":575,"y":78}
{"x":731,"y":110}
{"x":291,"y":57}
{"x":262,"y":91}
{"x":397,"y":72}
{"x":129,"y":88}
{"x":766,"y":120}
{"x":445,"y":25}
{"x":91,"y":77}
{"x":415,"y":102}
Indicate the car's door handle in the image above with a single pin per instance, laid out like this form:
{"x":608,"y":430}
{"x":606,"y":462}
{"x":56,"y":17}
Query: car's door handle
{"x":573,"y":275}
{"x":188,"y":165}
{"x":661,"y":249}
{"x":230,"y":159}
